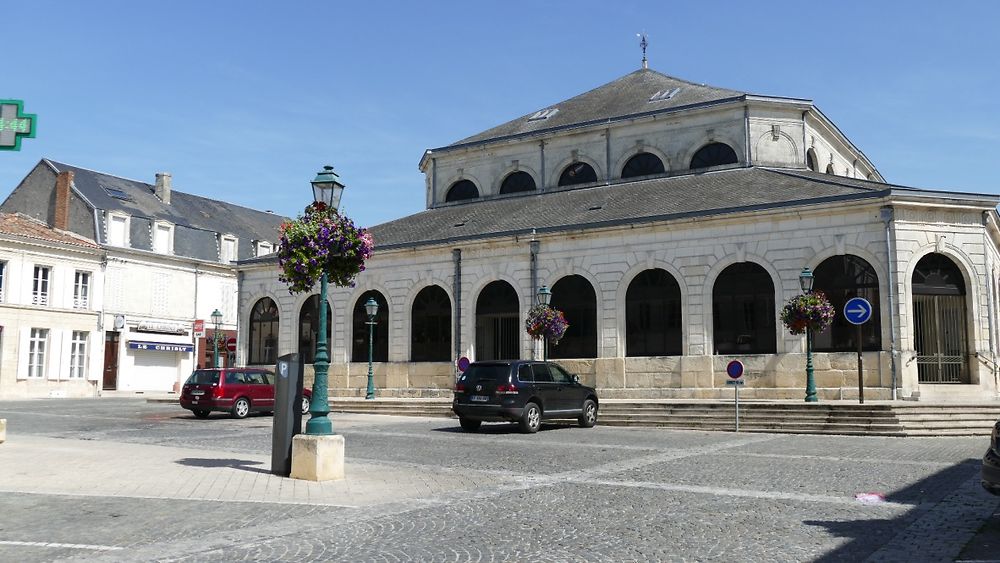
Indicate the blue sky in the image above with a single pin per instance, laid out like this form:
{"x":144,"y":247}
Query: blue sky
{"x":245,"y":101}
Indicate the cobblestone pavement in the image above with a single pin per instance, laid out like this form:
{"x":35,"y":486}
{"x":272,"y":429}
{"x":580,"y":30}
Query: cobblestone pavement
{"x":564,"y":494}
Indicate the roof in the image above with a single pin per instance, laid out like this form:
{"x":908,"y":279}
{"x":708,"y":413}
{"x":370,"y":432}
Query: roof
{"x":21,"y":225}
{"x":626,"y":96}
{"x":200,"y":215}
{"x":658,"y":199}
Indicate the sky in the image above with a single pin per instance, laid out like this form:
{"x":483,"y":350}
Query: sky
{"x":244,"y":101}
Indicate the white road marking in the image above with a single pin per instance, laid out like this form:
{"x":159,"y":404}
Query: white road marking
{"x":61,"y":545}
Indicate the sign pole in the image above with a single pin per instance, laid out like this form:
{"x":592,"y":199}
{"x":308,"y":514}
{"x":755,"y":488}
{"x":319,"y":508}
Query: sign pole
{"x":861,"y":383}
{"x":737,"y":389}
{"x":734,"y":370}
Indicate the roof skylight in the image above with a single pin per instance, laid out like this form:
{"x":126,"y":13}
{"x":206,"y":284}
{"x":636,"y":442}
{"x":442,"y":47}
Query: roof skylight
{"x":663,"y":95}
{"x":116,"y":193}
{"x":543,"y":114}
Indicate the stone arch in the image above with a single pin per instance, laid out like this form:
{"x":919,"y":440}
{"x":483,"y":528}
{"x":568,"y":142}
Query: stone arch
{"x":348,"y":315}
{"x":972,"y":288}
{"x":713,"y":154}
{"x":625,"y":156}
{"x":709,"y":286}
{"x":786,"y":151}
{"x":881,"y":270}
{"x":684,"y":157}
{"x":307,"y":352}
{"x":622,"y":289}
{"x":243,"y":332}
{"x":458,"y":178}
{"x":498,"y":333}
{"x":519,"y":167}
{"x":812,"y":160}
{"x":411,"y":302}
{"x":556,"y":274}
{"x":561,"y":166}
{"x":381,"y":341}
{"x":581,"y":340}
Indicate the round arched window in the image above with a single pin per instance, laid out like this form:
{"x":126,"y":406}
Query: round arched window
{"x":713,"y":154}
{"x":577,"y":173}
{"x":462,"y":189}
{"x":517,"y":182}
{"x":643,"y":164}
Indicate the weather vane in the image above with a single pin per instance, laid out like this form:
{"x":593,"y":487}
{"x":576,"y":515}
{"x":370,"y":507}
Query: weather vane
{"x":643,"y":43}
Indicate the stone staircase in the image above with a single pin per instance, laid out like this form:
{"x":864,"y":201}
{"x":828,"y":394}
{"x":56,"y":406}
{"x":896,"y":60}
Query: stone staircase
{"x":870,"y":419}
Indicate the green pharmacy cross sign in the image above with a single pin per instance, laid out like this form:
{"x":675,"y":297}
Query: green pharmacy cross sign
{"x":14,"y":124}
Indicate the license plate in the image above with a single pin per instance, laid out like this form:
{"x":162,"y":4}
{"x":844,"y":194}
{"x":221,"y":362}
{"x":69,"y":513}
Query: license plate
{"x":194,"y":401}
{"x":197,"y":393}
{"x":479,"y":398}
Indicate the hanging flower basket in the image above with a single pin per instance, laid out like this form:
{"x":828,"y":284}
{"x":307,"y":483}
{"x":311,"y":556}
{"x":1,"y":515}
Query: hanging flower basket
{"x":807,"y":311}
{"x":545,"y":322}
{"x":322,"y":240}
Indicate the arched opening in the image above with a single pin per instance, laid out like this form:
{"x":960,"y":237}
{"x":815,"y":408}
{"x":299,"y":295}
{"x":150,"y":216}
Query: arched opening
{"x":713,"y":154}
{"x":498,"y":327}
{"x":811,"y":160}
{"x":842,"y":278}
{"x":743,"y":310}
{"x":575,"y":297}
{"x":309,"y":327}
{"x":462,"y":189}
{"x":262,"y":347}
{"x":517,"y":182}
{"x":577,"y":173}
{"x":430,"y":326}
{"x":653,"y":315}
{"x":830,"y":170}
{"x":361,"y":328}
{"x":643,"y":164}
{"x":939,"y":321}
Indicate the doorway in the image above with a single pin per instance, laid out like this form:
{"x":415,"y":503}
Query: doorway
{"x":110,"y":361}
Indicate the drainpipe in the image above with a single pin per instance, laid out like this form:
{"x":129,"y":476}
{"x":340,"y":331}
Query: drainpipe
{"x":746,"y":136}
{"x":533,"y":248}
{"x":990,"y":297}
{"x":607,"y":155}
{"x":240,"y":350}
{"x":887,"y":216}
{"x":456,"y":256}
{"x":434,"y":178}
{"x":541,"y":149}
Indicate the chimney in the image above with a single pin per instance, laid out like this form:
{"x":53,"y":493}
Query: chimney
{"x":162,"y":189}
{"x":63,"y":181}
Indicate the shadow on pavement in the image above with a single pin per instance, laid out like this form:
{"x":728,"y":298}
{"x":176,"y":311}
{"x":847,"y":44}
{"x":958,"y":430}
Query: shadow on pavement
{"x":244,"y":464}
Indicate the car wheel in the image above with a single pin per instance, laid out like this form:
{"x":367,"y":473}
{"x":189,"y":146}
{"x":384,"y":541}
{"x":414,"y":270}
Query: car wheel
{"x":241,"y":408}
{"x":200,"y":413}
{"x":304,"y":408}
{"x":469,"y":425}
{"x":588,"y":418}
{"x":531,"y":418}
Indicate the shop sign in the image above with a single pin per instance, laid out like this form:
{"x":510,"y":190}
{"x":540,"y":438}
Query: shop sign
{"x":161,"y":327}
{"x":15,"y":124}
{"x":160,"y":346}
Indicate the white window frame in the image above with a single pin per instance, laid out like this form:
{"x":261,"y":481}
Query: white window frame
{"x":111,"y":217}
{"x":264,"y":248}
{"x":78,"y":355}
{"x":81,"y":299}
{"x":222,"y":248}
{"x":3,"y":274}
{"x":40,"y":285}
{"x":37,"y":346}
{"x":163,"y":229}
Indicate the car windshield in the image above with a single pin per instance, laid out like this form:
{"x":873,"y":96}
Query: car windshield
{"x":496,"y":372}
{"x":203,"y":377}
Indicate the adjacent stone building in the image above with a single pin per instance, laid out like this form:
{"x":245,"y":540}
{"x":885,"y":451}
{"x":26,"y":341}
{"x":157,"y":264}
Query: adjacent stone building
{"x":164,"y":260}
{"x":671,"y":221}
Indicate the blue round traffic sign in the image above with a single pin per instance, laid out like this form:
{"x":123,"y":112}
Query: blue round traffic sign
{"x":858,"y":310}
{"x":463,"y":364}
{"x":735,"y":369}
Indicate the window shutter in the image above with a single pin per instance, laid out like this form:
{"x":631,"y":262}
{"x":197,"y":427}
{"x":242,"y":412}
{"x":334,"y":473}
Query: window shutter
{"x":95,"y":355}
{"x":24,"y":337}
{"x":56,"y":354}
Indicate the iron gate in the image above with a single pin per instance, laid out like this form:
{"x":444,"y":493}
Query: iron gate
{"x":497,"y":337}
{"x":940,"y":333}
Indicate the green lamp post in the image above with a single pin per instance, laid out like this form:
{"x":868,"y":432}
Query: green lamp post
{"x":327,"y":190}
{"x":371,"y":308}
{"x":544,"y":297}
{"x":806,"y":283}
{"x":217,"y":321}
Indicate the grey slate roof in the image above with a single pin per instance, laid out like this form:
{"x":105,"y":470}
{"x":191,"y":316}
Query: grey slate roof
{"x":690,"y":195}
{"x":626,"y":96}
{"x":196,"y":219}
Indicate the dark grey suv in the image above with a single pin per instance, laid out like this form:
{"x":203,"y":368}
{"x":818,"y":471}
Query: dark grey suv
{"x":521,"y":391}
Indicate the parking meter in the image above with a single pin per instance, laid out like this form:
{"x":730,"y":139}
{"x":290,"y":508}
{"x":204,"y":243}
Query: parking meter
{"x":287,"y":412}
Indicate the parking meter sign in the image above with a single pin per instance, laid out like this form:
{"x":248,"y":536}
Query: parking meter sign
{"x":734,"y":369}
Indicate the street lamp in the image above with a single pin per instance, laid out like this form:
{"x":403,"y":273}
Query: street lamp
{"x":544,"y":297}
{"x":327,"y":190}
{"x":371,"y":308}
{"x":806,"y":283}
{"x":217,"y":321}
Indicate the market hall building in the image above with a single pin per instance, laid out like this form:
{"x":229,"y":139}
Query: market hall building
{"x":671,"y":221}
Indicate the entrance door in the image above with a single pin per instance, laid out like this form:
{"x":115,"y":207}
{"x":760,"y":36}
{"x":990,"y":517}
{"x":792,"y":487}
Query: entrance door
{"x":110,"y":361}
{"x":939,"y":321}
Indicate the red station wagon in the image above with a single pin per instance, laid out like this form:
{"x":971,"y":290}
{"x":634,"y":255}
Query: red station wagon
{"x":238,"y":391}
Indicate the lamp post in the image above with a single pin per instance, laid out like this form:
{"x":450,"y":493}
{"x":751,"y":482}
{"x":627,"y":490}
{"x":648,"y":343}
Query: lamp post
{"x":217,"y":321}
{"x":371,"y":308}
{"x":327,"y":190}
{"x":806,"y":283}
{"x":544,"y":297}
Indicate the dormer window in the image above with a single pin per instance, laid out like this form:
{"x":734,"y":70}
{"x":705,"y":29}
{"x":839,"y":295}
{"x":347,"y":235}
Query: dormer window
{"x":117,"y":229}
{"x":227,"y":248}
{"x":543,"y":114}
{"x":664,"y":95}
{"x":264,"y":248}
{"x":163,"y":237}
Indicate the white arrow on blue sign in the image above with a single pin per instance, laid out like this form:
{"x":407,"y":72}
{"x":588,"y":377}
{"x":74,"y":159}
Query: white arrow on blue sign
{"x":858,"y":310}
